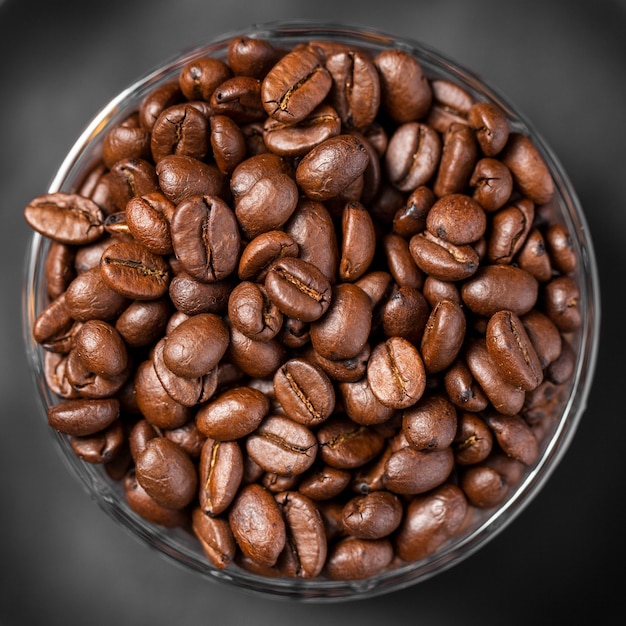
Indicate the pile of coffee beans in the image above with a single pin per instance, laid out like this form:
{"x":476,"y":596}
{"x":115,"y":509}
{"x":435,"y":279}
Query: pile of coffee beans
{"x":312,"y":305}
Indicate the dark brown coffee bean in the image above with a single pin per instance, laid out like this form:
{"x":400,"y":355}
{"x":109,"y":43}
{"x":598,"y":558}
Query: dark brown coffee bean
{"x":443,"y":336}
{"x":282,"y":446}
{"x":215,"y":537}
{"x":530,"y":172}
{"x":344,"y":329}
{"x":148,"y":221}
{"x":206,"y":238}
{"x":346,"y":445}
{"x":306,"y":545}
{"x":140,"y":434}
{"x":259,"y":254}
{"x":331,"y":166}
{"x":483,"y":486}
{"x":441,"y":259}
{"x":358,"y":243}
{"x":239,"y":98}
{"x":324,"y":483}
{"x":102,"y":447}
{"x":410,"y":219}
{"x":160,"y":98}
{"x":295,"y":86}
{"x":134,"y":272}
{"x":346,"y":370}
{"x":83,"y":417}
{"x":534,"y":258}
{"x":65,"y":218}
{"x":514,"y":436}
{"x":405,"y":314}
{"x":304,"y":391}
{"x":257,"y":524}
{"x":54,"y":371}
{"x":464,"y":392}
{"x":491,"y":126}
{"x":129,"y":178}
{"x":259,"y":359}
{"x":228,"y":143}
{"x":473,"y":441}
{"x":459,"y":154}
{"x":361,"y":405}
{"x":457,"y":219}
{"x":496,"y":287}
{"x":232,"y":414}
{"x":298,"y":288}
{"x":253,"y":313}
{"x":512,"y":350}
{"x":451,"y":104}
{"x":412,"y":156}
{"x":400,"y":262}
{"x":188,"y":437}
{"x":143,"y":322}
{"x":248,"y":56}
{"x":509,"y":228}
{"x":430,"y":424}
{"x":181,"y":177}
{"x":396,"y":373}
{"x":220,"y":474}
{"x":435,"y":290}
{"x":167,"y":473}
{"x":562,"y":303}
{"x":492,"y":183}
{"x":182,"y":130}
{"x":101,"y":348}
{"x":199,"y":77}
{"x":560,"y":248}
{"x":89,"y":297}
{"x":357,"y":559}
{"x":126,"y":140}
{"x":190,"y":296}
{"x":59,"y":268}
{"x":405,"y":90}
{"x":544,"y":335}
{"x":52,"y":324}
{"x":372,"y":516}
{"x":429,"y":521}
{"x":253,"y":169}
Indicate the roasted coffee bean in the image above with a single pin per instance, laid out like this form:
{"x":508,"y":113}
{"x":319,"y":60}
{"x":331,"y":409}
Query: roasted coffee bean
{"x":206,"y":238}
{"x":180,"y":129}
{"x":251,"y":311}
{"x":562,"y":303}
{"x":405,"y":91}
{"x":125,"y":141}
{"x":346,"y":370}
{"x":436,"y":290}
{"x":101,"y":348}
{"x":259,"y":359}
{"x":355,"y":559}
{"x":483,"y":486}
{"x":232,"y":414}
{"x":412,"y":156}
{"x":462,"y":389}
{"x":188,"y":437}
{"x":304,"y":391}
{"x":160,"y":98}
{"x":148,"y":221}
{"x":199,"y":77}
{"x":191,"y":296}
{"x":560,"y":248}
{"x":295,"y":86}
{"x":59,"y":268}
{"x":491,"y":126}
{"x":430,"y":424}
{"x":400,"y":262}
{"x":534,"y":258}
{"x":361,"y":405}
{"x":512,"y":350}
{"x":405,"y":314}
{"x":220,"y":474}
{"x":258,"y":254}
{"x":473,"y":441}
{"x":143,"y":322}
{"x":492,"y":183}
{"x":514,"y":436}
{"x":182,"y":176}
{"x":372,"y":516}
{"x":253,"y":169}
{"x":411,"y":218}
{"x":83,"y":417}
{"x":65,"y":218}
{"x":344,"y":329}
{"x":248,"y":56}
{"x":441,"y":259}
{"x":101,"y":447}
{"x":306,"y":545}
{"x":53,"y":323}
{"x":331,"y":166}
{"x":167,"y":473}
{"x":544,"y":335}
{"x":443,"y":336}
{"x":257,"y":524}
{"x":228,"y":143}
{"x":129,"y":178}
{"x":239,"y":98}
{"x":298,"y":288}
{"x":429,"y":521}
{"x":89,"y":297}
{"x":215,"y":537}
{"x":451,"y":104}
{"x":54,"y":372}
{"x":459,"y":154}
{"x":396,"y":374}
{"x":358,"y":243}
{"x":346,"y":445}
{"x":324,"y":483}
{"x":457,"y":219}
{"x":282,"y":446}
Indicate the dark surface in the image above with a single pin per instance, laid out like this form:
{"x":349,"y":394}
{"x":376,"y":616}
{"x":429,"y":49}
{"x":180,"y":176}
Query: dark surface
{"x":64,"y":561}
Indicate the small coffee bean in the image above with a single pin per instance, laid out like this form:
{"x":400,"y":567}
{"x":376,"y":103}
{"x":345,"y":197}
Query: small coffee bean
{"x":259,"y":359}
{"x":182,"y":176}
{"x":59,"y":268}
{"x":451,"y":104}
{"x":562,"y":303}
{"x":492,"y":183}
{"x":143,"y":322}
{"x":441,"y":259}
{"x":220,"y":474}
{"x":259,"y":254}
{"x":491,"y":126}
{"x":182,"y":130}
{"x":148,"y":220}
{"x":358,"y":243}
{"x":560,"y":248}
{"x":83,"y":417}
{"x":459,"y":154}
{"x":355,"y":559}
{"x":101,"y":348}
{"x":215,"y":537}
{"x":361,"y":405}
{"x":253,"y":313}
{"x":249,"y":56}
{"x":544,"y":335}
{"x":325,"y":483}
{"x":430,"y":424}
{"x":514,"y":436}
{"x":346,"y":445}
{"x":457,"y":219}
{"x":372,"y":516}
{"x":192,"y":297}
{"x":443,"y":336}
{"x":534,"y":258}
{"x":409,"y":471}
{"x":199,"y":77}
{"x":239,"y":98}
{"x":473,"y":441}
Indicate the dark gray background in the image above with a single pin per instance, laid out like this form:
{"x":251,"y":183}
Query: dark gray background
{"x":63,"y":561}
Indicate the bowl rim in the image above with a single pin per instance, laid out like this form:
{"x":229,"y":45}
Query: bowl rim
{"x":98,"y":486}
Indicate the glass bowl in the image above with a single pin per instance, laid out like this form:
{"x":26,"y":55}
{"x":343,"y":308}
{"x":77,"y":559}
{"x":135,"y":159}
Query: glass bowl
{"x":179,"y":544}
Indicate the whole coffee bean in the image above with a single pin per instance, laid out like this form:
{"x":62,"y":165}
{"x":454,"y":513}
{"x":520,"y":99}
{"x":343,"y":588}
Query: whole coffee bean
{"x":102,"y":447}
{"x":259,"y":359}
{"x":65,"y":218}
{"x":54,"y":371}
{"x":304,"y":391}
{"x":53,"y":323}
{"x":125,"y":141}
{"x":562,"y":368}
{"x":562,"y":303}
{"x":435,"y":290}
{"x":530,"y":172}
{"x":146,"y":506}
{"x":228,"y":143}
{"x":534,"y":258}
{"x":451,"y":104}
{"x":496,"y":287}
{"x":199,"y":77}
{"x":492,"y":183}
{"x":400,"y":262}
{"x":459,"y":154}
{"x":443,"y":336}
{"x":462,"y":389}
{"x":405,"y":314}
{"x":430,"y":424}
{"x":83,"y":417}
{"x":491,"y":126}
{"x":298,"y":288}
{"x":311,"y":227}
{"x":248,"y":56}
{"x":361,"y":405}
{"x":167,"y":473}
{"x":512,"y":350}
{"x":506,"y":397}
{"x":457,"y":218}
{"x":346,"y":445}
{"x":215,"y":537}
{"x":196,"y":345}
{"x":160,"y":98}
{"x":234,"y":413}
{"x":344,"y":329}
{"x":191,"y":296}
{"x":544,"y":335}
{"x":412,"y":156}
{"x":257,"y":524}
{"x":267,"y":205}
{"x":331,"y":166}
{"x":148,"y":220}
{"x":206,"y":238}
{"x":220,"y":474}
{"x":358,"y":243}
{"x":59,"y":268}
{"x":514,"y":436}
{"x":180,"y":129}
{"x":294,"y":333}
{"x":410,"y":219}
{"x":429,"y":521}
{"x":396,"y":373}
{"x":441,"y":259}
{"x":295,"y":86}
{"x":560,"y":248}
{"x":239,"y":98}
{"x":473,"y":441}
{"x":405,"y":91}
{"x":143,"y":322}
{"x":282,"y":446}
{"x":259,"y":254}
{"x":182,"y":176}
{"x":253,"y":169}
{"x":134,"y":272}
{"x":324,"y":483}
{"x":253,"y":313}
{"x":101,"y":348}
{"x":356,"y":559}
{"x":141,"y":432}
{"x":483,"y":486}
{"x":346,"y":370}
{"x":87,"y":257}
{"x":129,"y":178}
{"x":88,"y":296}
{"x":293,"y":140}
{"x":275,"y":483}
{"x":306,"y":545}
{"x":409,"y":471}
{"x":372,"y":516}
